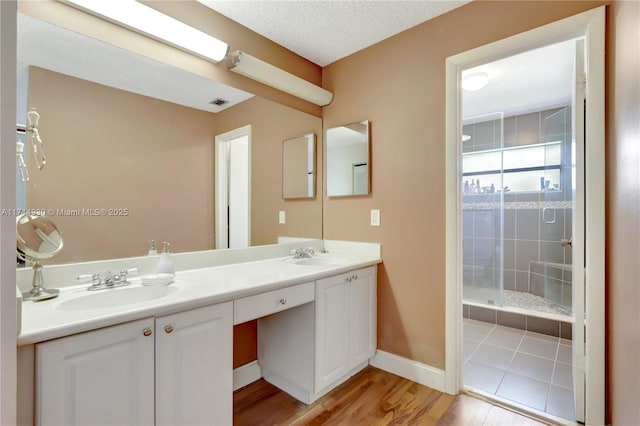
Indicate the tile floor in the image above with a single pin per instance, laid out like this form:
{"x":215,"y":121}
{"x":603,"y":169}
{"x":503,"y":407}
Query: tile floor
{"x":525,"y":367}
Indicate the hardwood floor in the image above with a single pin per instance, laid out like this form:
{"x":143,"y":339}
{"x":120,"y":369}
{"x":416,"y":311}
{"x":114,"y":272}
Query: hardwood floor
{"x":372,"y":397}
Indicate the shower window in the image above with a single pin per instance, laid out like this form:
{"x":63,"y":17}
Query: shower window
{"x":522,"y":168}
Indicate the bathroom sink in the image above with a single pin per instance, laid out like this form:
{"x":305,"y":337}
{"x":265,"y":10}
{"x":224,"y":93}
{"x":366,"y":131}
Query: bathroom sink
{"x":320,"y":261}
{"x":110,"y":298}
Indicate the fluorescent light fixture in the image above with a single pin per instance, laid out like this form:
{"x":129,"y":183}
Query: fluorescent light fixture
{"x":265,"y":73}
{"x":148,"y":21}
{"x":475,"y":81}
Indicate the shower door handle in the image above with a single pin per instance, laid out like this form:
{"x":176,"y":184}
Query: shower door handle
{"x":566,"y":242}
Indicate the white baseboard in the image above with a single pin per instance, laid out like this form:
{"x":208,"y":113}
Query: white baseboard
{"x":246,"y":374}
{"x":409,"y":369}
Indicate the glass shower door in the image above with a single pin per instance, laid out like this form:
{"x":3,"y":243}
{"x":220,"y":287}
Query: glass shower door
{"x":557,"y":211}
{"x":482,"y":209}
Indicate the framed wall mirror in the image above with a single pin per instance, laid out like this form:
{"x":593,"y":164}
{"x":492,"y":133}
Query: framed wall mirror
{"x":150,"y":159}
{"x":348,"y":160}
{"x":298,"y":167}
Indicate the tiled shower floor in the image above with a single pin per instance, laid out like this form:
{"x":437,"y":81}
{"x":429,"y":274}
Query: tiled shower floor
{"x":517,"y":299}
{"x":527,"y":368}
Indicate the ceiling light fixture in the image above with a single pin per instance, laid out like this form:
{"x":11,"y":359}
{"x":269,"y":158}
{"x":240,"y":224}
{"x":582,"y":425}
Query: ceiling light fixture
{"x":148,"y":21}
{"x":256,"y":69}
{"x":475,"y":81}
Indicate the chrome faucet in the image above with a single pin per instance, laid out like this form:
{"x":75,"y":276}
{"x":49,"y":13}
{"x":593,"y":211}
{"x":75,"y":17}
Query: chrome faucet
{"x":303,"y":253}
{"x":107,"y":279}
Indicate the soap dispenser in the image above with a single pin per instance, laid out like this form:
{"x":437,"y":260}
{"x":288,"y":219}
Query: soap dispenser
{"x":165,"y":264}
{"x":152,"y":248}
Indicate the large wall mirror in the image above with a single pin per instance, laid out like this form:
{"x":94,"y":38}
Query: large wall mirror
{"x":348,"y":168}
{"x":299,"y":167}
{"x":144,"y":159}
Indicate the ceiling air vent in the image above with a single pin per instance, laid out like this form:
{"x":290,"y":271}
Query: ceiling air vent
{"x":219,"y":102}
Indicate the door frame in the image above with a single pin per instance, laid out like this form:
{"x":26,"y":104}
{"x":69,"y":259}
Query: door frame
{"x":222,"y":181}
{"x":591,"y":25}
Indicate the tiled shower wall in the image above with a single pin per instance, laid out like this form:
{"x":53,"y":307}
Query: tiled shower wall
{"x":533,"y":222}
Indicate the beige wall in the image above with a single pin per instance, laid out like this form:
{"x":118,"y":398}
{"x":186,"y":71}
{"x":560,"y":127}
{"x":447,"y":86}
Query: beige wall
{"x":623,"y":213}
{"x":399,"y":84}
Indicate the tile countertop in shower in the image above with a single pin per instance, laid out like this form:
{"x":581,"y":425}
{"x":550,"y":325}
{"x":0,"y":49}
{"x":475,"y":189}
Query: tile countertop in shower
{"x":194,"y":288}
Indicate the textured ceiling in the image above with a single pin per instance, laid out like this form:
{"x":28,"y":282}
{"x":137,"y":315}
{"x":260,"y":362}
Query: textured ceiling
{"x":325,"y":31}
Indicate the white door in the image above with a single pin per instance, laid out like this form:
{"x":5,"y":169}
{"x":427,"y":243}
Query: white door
{"x":362,"y":315}
{"x":233,"y":188}
{"x":332,"y":331}
{"x":194,"y":365}
{"x":100,"y":377}
{"x":578,"y":241}
{"x":238,"y":192}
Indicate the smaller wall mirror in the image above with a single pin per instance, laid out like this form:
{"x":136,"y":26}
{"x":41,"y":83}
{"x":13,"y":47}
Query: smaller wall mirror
{"x":348,"y":160}
{"x":298,"y":167}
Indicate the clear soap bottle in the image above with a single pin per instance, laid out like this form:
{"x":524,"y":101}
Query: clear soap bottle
{"x":152,"y":248}
{"x":165,"y":264}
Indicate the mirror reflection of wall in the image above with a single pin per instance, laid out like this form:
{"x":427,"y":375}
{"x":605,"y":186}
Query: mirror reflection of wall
{"x":298,"y":167}
{"x":125,"y":168}
{"x":348,"y":160}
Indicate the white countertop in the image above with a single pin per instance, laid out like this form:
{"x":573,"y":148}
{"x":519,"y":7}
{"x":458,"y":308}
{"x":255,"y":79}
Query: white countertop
{"x":192,"y":288}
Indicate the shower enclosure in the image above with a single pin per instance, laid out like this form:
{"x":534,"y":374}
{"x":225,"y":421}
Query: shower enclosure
{"x":517,"y":213}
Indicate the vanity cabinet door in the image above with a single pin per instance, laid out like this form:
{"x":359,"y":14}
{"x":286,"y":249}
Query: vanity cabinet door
{"x":194,"y":367}
{"x":362,"y":315}
{"x":99,"y":377}
{"x":332,"y":355}
{"x":345,"y":324}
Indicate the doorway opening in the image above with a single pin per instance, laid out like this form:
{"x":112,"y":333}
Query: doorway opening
{"x":518,"y":324}
{"x":233,"y":188}
{"x":517,"y":218}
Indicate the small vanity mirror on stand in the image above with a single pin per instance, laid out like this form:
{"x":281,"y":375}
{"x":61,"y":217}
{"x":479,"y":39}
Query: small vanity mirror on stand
{"x":298,"y":167}
{"x":347,"y":159}
{"x":38,"y":238}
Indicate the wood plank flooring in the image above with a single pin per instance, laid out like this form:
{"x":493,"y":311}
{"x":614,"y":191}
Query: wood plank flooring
{"x":371,"y":397}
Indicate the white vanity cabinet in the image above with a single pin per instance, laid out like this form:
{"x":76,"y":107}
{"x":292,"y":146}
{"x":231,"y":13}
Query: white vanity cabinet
{"x":345,"y":325}
{"x":194,"y":367}
{"x":103,"y":376}
{"x":308,"y":350}
{"x":174,"y":370}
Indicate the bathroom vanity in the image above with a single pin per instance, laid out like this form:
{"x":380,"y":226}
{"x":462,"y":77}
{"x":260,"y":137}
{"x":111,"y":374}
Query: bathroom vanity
{"x":164,"y":355}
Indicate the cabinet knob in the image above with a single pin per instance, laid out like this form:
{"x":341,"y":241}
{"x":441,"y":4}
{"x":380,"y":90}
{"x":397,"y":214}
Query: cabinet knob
{"x":147,"y":331}
{"x":168,"y":328}
{"x":283,"y":301}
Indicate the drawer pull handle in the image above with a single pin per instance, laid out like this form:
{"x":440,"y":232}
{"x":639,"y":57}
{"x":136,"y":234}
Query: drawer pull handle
{"x":168,"y":328}
{"x":283,"y":301}
{"x":147,"y":331}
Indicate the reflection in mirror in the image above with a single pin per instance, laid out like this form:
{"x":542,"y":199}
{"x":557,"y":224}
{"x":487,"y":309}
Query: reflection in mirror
{"x":348,"y":160}
{"x":37,"y":238}
{"x":298,"y":167}
{"x":127,"y":166}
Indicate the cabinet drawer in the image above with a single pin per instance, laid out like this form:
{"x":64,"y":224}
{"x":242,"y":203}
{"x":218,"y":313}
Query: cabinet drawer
{"x":257,"y":306}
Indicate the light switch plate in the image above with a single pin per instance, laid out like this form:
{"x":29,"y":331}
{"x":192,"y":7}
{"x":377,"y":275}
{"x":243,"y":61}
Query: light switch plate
{"x":281,"y":217}
{"x":375,"y":217}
